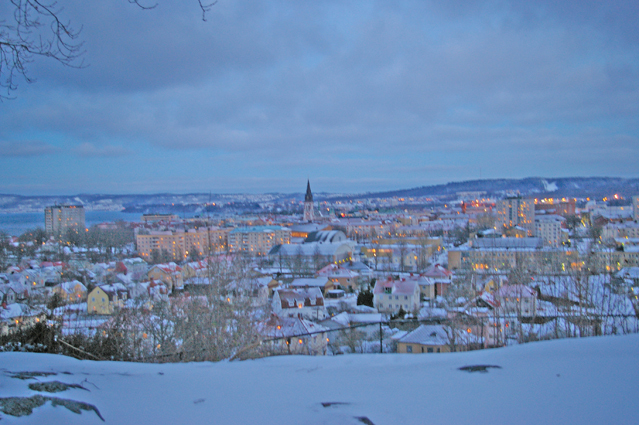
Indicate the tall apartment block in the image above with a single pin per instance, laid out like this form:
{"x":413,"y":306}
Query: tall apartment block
{"x":516,"y":211}
{"x":59,"y":218}
{"x":635,"y":208}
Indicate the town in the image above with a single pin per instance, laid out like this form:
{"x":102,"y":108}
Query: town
{"x":323,"y":278}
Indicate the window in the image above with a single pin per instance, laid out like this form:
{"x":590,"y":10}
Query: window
{"x":430,"y":349}
{"x":405,"y":297}
{"x":409,"y":348}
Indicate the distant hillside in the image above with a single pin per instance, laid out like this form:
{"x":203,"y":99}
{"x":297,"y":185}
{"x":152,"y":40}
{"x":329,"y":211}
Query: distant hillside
{"x":573,"y":187}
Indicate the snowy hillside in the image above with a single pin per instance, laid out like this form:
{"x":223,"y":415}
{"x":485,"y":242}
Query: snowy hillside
{"x":590,"y":380}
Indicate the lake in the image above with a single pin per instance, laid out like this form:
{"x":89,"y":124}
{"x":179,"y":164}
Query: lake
{"x":15,"y":224}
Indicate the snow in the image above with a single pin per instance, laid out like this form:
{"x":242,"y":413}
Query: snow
{"x":588,"y":380}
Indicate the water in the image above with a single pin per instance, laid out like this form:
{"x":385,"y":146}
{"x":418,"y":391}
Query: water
{"x":17,"y":223}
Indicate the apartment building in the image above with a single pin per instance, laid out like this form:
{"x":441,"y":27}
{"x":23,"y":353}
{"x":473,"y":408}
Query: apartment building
{"x":516,"y":211}
{"x":180,"y":244}
{"x":59,"y":218}
{"x":257,"y":240}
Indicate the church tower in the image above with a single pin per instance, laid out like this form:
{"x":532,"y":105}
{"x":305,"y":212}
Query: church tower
{"x":308,"y":203}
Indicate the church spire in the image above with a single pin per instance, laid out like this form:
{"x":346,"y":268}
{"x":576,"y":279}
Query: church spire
{"x":309,"y":195}
{"x":308,"y":203}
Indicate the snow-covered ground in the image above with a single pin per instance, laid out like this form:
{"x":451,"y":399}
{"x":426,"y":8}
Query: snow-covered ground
{"x":589,"y":380}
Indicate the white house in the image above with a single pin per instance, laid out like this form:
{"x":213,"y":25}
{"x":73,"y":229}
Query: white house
{"x":307,"y":303}
{"x":389,"y":296}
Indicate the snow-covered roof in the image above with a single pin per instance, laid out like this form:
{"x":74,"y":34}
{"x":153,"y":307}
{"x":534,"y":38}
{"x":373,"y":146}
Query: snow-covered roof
{"x":427,"y":335}
{"x":308,"y":297}
{"x":70,"y":287}
{"x":398,"y":287}
{"x":315,"y":282}
{"x":277,"y":326}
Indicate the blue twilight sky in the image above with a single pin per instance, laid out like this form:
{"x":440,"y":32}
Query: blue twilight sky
{"x":355,"y":95}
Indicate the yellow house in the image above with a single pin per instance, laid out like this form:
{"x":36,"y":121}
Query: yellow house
{"x":103,"y":299}
{"x":170,"y":274}
{"x":71,"y":292}
{"x":435,"y":339}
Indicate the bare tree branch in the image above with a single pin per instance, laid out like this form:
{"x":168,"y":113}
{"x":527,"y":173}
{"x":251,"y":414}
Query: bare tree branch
{"x":38,"y":29}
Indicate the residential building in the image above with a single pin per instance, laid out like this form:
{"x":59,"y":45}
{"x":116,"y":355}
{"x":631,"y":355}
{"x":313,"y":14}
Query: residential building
{"x":493,"y":254}
{"x":322,"y":283}
{"x":340,"y":276}
{"x":104,"y":299}
{"x":169,"y":273}
{"x":389,"y":296}
{"x":516,"y":211}
{"x":181,"y":244}
{"x":306,"y":303}
{"x":517,"y":300}
{"x":60,"y":218}
{"x":154,"y":218}
{"x":17,"y":317}
{"x":425,"y":339}
{"x":549,"y":229}
{"x":257,"y":240}
{"x":71,"y":292}
{"x":293,"y":335}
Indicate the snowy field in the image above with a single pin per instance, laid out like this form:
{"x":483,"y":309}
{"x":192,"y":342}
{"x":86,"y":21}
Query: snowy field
{"x":585,"y":381}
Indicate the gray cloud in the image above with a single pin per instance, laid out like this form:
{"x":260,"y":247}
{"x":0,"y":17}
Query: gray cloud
{"x":26,"y":148}
{"x":88,"y":149}
{"x":431,"y":87}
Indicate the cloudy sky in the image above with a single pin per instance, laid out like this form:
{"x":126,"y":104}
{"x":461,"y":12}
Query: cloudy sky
{"x":355,"y":95}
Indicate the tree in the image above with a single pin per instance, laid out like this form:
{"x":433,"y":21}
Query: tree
{"x":365,"y":296}
{"x":39,"y":29}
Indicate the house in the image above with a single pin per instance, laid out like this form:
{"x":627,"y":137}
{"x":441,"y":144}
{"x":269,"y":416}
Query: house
{"x":443,"y":278}
{"x":340,"y":276}
{"x":156,"y":290}
{"x":29,"y":278}
{"x":152,"y":290}
{"x":436,"y":339}
{"x":260,"y":290}
{"x":169,"y":273}
{"x":307,"y":303}
{"x":195,"y":269}
{"x":7,"y":294}
{"x":322,"y":283}
{"x":365,"y":273}
{"x":254,"y":290}
{"x":16,"y":317}
{"x":136,"y":267}
{"x":389,"y":296}
{"x":104,"y":299}
{"x":14,"y":292}
{"x":293,"y":335}
{"x":517,"y":300}
{"x":71,"y":292}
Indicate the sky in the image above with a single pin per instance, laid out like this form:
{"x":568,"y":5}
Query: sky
{"x":356,"y":96}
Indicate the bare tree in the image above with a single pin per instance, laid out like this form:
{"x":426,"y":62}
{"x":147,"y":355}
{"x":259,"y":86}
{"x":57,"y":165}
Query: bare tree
{"x":39,"y":29}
